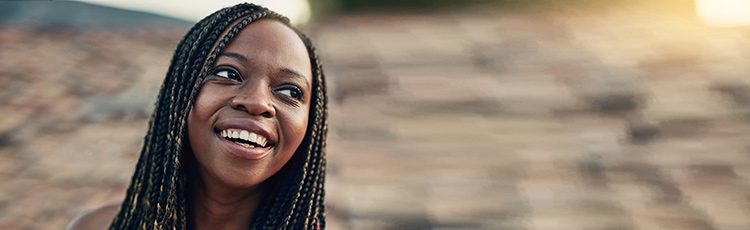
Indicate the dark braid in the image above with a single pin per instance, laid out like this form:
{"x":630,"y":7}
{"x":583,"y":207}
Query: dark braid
{"x":157,"y":197}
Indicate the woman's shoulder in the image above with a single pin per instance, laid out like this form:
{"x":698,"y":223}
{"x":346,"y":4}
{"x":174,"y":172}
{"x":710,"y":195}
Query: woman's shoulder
{"x":98,"y":218}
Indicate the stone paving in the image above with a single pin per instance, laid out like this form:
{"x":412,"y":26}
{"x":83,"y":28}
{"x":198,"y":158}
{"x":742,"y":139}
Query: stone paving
{"x":630,"y":119}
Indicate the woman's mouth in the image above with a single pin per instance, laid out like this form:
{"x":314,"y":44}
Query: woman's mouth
{"x":245,"y":138}
{"x":245,"y":144}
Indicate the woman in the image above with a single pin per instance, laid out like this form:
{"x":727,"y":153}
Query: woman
{"x":238,"y":134}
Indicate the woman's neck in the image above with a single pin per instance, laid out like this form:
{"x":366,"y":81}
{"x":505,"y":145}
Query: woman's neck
{"x":216,"y":206}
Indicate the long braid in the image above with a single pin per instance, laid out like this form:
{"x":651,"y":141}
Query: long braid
{"x":323,"y":105}
{"x":174,"y":180}
{"x":157,"y":196}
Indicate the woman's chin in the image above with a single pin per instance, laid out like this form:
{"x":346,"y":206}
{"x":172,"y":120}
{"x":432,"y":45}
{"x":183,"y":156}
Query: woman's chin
{"x":241,"y":179}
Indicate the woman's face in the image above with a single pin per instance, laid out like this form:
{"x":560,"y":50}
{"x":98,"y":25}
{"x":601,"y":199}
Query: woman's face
{"x":251,"y":114}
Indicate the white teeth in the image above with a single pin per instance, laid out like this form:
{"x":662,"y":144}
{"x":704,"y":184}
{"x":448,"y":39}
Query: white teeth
{"x":254,"y":138}
{"x":244,"y":135}
{"x":245,"y":145}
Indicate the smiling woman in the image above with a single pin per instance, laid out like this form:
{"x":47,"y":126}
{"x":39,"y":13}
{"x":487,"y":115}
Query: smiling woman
{"x":237,"y":138}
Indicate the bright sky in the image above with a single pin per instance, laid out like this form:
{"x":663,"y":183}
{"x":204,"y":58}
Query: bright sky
{"x":724,"y":12}
{"x":713,"y":12}
{"x":298,"y":11}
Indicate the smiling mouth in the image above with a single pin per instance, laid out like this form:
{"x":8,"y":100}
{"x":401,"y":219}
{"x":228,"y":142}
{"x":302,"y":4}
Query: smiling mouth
{"x":245,"y":138}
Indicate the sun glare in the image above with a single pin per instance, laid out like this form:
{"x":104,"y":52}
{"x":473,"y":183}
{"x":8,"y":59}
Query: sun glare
{"x":724,"y":12}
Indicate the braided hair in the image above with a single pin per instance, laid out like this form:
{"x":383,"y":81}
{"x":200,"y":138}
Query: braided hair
{"x":157,"y":197}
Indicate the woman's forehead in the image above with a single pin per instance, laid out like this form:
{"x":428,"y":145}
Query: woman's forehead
{"x":270,"y":40}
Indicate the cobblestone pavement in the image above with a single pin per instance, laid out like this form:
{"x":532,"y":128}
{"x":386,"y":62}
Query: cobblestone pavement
{"x":455,"y":120}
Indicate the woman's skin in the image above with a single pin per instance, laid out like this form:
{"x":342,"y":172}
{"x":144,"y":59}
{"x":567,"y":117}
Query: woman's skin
{"x":261,"y":83}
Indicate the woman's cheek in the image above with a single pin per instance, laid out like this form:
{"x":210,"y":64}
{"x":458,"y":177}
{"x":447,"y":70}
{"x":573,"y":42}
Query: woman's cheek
{"x":210,"y":100}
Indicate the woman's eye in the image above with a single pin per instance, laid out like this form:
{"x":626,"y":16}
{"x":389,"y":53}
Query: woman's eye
{"x":292,"y":92}
{"x":228,"y":74}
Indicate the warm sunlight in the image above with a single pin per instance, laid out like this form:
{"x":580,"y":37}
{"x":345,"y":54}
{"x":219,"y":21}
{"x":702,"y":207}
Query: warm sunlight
{"x":724,"y":12}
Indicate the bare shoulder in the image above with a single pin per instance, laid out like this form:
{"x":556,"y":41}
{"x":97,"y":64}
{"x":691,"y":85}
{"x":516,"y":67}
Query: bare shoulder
{"x":98,"y":218}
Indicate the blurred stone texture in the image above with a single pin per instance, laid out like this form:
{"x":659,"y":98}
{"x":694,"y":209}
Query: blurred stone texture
{"x":628,"y":119}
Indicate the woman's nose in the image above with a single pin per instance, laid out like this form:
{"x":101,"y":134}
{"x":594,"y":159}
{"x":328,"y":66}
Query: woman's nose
{"x":255,"y":100}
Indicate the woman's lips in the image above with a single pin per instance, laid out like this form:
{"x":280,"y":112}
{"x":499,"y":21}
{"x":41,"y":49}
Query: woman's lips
{"x":245,"y":152}
{"x":237,"y":126}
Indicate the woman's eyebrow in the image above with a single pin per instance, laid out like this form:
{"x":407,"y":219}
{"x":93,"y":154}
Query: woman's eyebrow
{"x":295,"y":74}
{"x":236,"y":56}
{"x":288,"y":71}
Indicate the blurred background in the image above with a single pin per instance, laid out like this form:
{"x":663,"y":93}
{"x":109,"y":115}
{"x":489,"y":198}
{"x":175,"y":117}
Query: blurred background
{"x":444,"y":114}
